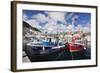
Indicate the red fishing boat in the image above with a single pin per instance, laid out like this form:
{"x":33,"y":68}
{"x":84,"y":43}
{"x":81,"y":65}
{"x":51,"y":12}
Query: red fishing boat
{"x":76,"y":49}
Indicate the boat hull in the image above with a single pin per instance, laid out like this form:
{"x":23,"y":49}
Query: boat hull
{"x":77,"y":51}
{"x":75,"y":47}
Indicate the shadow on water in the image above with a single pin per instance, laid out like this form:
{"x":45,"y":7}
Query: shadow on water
{"x":56,"y":54}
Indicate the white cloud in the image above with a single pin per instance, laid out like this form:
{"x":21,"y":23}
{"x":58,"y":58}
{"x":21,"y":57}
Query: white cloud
{"x":88,"y":24}
{"x":87,"y":28}
{"x":57,"y":16}
{"x":70,"y":28}
{"x":79,"y":27}
{"x":34,"y":23}
{"x":62,"y":28}
{"x":46,"y":12}
{"x":25,"y":17}
{"x":51,"y":27}
{"x":40,"y":18}
{"x":54,"y":27}
{"x":69,"y":16}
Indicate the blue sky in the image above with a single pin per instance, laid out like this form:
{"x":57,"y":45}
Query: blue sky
{"x":56,"y":20}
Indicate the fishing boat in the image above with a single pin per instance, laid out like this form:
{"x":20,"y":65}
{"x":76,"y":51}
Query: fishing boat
{"x":76,"y":48}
